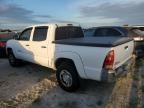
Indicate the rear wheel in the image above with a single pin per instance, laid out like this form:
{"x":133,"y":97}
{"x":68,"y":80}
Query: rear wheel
{"x":12,"y":59}
{"x":67,"y":77}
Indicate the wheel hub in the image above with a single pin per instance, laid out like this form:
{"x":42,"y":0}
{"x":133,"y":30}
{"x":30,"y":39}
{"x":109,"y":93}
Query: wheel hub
{"x":66,"y":78}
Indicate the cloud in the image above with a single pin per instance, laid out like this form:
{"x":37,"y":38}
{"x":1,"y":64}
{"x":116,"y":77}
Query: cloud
{"x":112,"y":12}
{"x":12,"y":13}
{"x":126,"y":13}
{"x":15,"y":13}
{"x":62,"y":21}
{"x":98,"y":2}
{"x":43,"y":16}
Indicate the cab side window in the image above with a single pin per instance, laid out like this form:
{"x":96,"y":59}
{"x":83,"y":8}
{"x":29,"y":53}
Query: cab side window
{"x":40,"y":33}
{"x":25,"y":35}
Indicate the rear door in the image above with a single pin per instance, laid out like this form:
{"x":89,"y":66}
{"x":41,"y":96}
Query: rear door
{"x":39,"y":45}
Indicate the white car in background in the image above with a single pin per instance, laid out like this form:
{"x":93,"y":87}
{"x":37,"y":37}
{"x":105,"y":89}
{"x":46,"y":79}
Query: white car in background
{"x":137,"y":32}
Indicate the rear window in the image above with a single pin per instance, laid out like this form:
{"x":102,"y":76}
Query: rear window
{"x":68,"y":32}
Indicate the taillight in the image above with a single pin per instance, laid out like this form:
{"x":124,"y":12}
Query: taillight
{"x":109,"y":60}
{"x":2,"y":44}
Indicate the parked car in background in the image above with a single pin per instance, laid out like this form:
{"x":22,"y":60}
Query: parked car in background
{"x":4,"y":37}
{"x":64,"y":48}
{"x":135,"y":32}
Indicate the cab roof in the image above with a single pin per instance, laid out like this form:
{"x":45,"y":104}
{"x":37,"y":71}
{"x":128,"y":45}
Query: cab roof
{"x":55,"y":24}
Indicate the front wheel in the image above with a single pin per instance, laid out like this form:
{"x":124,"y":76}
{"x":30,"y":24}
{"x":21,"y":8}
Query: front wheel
{"x":12,"y":59}
{"x":67,"y":77}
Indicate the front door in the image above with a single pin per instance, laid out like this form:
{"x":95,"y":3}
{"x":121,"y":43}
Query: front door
{"x":23,"y":45}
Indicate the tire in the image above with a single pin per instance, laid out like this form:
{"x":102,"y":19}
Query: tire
{"x":12,"y":59}
{"x":67,"y":77}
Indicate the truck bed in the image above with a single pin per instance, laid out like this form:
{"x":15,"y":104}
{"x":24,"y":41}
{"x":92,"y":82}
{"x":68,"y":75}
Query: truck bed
{"x":94,"y":41}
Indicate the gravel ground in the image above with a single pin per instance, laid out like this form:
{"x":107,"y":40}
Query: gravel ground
{"x":33,"y":86}
{"x":91,"y":95}
{"x":16,"y":80}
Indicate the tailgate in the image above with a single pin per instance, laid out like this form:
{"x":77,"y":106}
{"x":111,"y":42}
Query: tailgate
{"x":123,"y":53}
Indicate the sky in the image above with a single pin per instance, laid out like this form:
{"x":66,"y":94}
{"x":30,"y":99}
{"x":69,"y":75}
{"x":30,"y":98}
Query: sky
{"x":86,"y":12}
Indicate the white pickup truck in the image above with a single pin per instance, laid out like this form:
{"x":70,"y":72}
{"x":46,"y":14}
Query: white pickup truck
{"x":63,"y":48}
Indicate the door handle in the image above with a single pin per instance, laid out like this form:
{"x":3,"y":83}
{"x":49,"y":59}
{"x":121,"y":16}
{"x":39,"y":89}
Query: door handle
{"x":27,"y":45}
{"x":43,"y":46}
{"x":126,"y":47}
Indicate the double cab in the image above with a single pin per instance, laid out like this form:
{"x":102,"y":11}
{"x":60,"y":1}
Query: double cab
{"x":64,"y":48}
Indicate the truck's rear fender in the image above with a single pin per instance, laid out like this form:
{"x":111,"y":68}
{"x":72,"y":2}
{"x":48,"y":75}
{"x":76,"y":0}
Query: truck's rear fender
{"x":76,"y":59}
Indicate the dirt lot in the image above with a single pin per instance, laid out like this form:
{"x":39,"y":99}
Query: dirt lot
{"x":33,"y":86}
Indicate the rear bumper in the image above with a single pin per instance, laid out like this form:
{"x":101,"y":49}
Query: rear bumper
{"x":112,"y":75}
